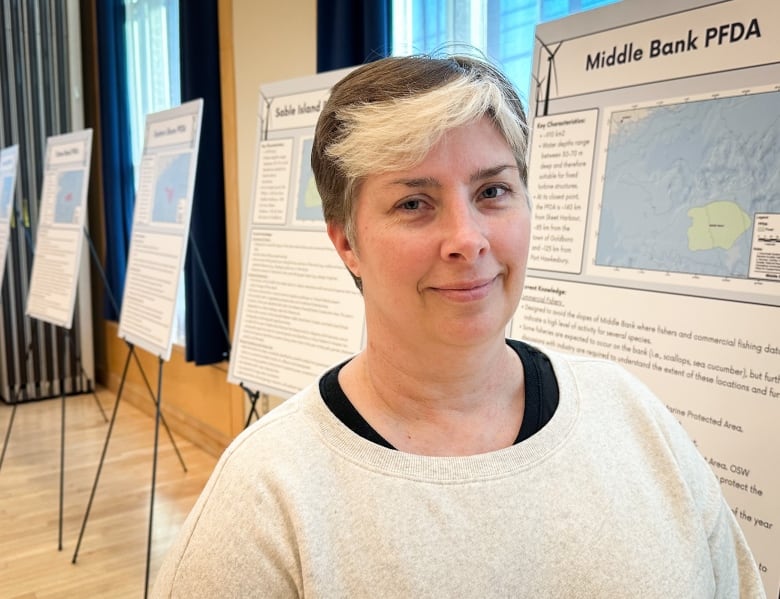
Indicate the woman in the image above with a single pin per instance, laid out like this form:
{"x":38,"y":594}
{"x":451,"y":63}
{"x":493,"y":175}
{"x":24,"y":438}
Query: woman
{"x":444,"y":460}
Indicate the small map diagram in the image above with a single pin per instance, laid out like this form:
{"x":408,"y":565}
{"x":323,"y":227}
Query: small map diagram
{"x":67,"y":203}
{"x":5,"y":197}
{"x":684,"y":181}
{"x":309,"y":205}
{"x":170,"y":190}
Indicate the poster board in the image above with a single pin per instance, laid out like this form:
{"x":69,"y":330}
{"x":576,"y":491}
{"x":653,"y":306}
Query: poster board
{"x":161,"y":225}
{"x":9,"y":160}
{"x":299,"y":311}
{"x":59,"y":240}
{"x":654,"y":174}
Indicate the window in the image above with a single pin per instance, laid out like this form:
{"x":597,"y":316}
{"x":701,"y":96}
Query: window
{"x":502,"y":29}
{"x":152,"y":36}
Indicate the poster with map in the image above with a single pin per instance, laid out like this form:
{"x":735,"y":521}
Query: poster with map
{"x":161,"y":224}
{"x":654,"y":171}
{"x":60,"y":231}
{"x":298,"y":309}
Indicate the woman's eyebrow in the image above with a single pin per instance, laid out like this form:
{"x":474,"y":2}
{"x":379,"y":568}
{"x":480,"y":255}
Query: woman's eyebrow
{"x":416,"y":182}
{"x":487,"y":173}
{"x":479,"y":175}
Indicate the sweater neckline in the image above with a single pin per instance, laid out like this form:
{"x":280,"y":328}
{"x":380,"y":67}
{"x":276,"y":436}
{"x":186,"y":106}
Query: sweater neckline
{"x":495,"y":464}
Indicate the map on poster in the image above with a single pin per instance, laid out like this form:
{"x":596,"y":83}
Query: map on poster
{"x":683,"y":182}
{"x":170,"y":192}
{"x":68,"y":199}
{"x":309,"y":204}
{"x":6,"y":194}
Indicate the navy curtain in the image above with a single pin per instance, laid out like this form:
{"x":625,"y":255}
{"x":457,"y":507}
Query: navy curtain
{"x":117,"y":159}
{"x":205,"y":280}
{"x":352,"y":32}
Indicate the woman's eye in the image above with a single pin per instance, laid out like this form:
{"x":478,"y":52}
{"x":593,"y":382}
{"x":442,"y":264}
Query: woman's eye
{"x":410,"y":205}
{"x":493,"y":192}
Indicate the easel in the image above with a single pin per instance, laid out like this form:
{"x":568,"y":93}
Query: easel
{"x":156,"y":399}
{"x":15,"y":399}
{"x":254,"y":396}
{"x":158,"y":413}
{"x":15,"y":402}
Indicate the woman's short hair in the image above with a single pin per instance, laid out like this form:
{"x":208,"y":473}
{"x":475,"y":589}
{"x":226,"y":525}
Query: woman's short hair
{"x":386,"y":116}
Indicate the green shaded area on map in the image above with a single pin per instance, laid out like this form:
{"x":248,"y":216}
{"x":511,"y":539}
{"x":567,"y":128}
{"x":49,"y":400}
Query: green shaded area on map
{"x":716,"y":225}
{"x":311,"y":197}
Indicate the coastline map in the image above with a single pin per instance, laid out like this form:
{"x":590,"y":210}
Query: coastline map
{"x":683,"y":181}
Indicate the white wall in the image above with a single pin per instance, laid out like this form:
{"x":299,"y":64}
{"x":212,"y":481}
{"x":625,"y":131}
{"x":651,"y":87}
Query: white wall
{"x":272,"y":41}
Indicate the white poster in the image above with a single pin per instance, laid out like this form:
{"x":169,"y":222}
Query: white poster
{"x":62,"y":215}
{"x":299,"y":311}
{"x":161,"y":225}
{"x":9,"y":159}
{"x":655,"y":178}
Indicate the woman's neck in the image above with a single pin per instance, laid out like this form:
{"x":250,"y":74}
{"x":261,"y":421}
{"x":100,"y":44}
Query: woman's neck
{"x":455,"y":401}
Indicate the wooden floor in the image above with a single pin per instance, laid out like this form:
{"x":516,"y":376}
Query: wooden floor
{"x":112,"y":555}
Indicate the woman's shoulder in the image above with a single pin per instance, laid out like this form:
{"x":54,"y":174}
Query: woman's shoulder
{"x":281,"y":430}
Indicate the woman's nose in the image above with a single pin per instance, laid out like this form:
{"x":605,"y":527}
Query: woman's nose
{"x":464,"y":235}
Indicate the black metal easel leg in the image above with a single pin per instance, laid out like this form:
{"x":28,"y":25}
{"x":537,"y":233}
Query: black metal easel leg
{"x":8,"y":433}
{"x":100,"y":407}
{"x":253,"y":397}
{"x":102,"y":458}
{"x":62,"y":437}
{"x":162,"y":417}
{"x":209,"y":288}
{"x":14,"y":402}
{"x":154,"y":476}
{"x":84,"y":376}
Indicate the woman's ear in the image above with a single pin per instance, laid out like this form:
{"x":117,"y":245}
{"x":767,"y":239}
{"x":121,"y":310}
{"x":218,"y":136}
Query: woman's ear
{"x":349,"y":257}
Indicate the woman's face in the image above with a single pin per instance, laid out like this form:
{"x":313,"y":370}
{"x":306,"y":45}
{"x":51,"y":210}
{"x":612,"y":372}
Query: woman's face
{"x":441,"y":248}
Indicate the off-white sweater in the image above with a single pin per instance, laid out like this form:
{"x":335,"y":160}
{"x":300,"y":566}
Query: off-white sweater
{"x":609,"y":500}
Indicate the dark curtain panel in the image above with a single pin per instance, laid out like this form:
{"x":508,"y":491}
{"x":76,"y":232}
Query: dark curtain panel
{"x":352,"y":32}
{"x":205,"y":279}
{"x":118,"y":178}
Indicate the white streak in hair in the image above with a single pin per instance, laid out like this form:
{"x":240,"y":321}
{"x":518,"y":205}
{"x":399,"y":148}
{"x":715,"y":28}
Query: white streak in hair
{"x":398,"y":134}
